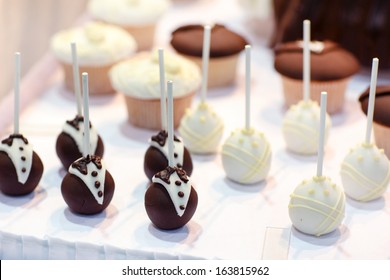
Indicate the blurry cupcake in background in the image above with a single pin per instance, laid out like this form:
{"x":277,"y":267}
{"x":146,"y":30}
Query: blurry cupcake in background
{"x":225,"y":47}
{"x":331,"y":69}
{"x":138,"y":17}
{"x":139,"y":80}
{"x":99,"y":47}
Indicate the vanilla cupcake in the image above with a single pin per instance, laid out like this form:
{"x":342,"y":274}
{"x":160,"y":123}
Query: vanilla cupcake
{"x":138,"y":17}
{"x":139,"y":80}
{"x":99,"y":47}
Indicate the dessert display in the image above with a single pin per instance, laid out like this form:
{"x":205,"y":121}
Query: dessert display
{"x":331,"y":68}
{"x":100,"y":46}
{"x":138,"y":80}
{"x":170,"y":200}
{"x":225,"y":47}
{"x":88,"y":187}
{"x":21,"y":168}
{"x":300,"y":123}
{"x":137,"y":17}
{"x":317,"y":205}
{"x":202,"y":128}
{"x":69,"y":144}
{"x":365,"y":170}
{"x":246,"y":153}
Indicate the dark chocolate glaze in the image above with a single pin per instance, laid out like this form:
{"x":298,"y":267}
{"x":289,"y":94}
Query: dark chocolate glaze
{"x":382,"y":104}
{"x":188,"y":40}
{"x":9,"y":184}
{"x":79,"y":198}
{"x":333,"y":63}
{"x":162,"y":212}
{"x":9,"y":141}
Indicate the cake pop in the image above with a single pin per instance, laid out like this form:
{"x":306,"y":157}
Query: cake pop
{"x":300,"y":123}
{"x":69,"y":144}
{"x":317,"y":205}
{"x":88,"y":187}
{"x":246,"y":154}
{"x":365,"y":170}
{"x":202,"y":128}
{"x":156,"y":156}
{"x":21,"y":168}
{"x":170,"y":200}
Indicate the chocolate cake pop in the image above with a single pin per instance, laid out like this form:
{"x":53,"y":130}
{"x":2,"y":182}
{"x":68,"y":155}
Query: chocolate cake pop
{"x":156,"y":156}
{"x":69,"y":144}
{"x":88,"y":187}
{"x":21,"y":168}
{"x":170,"y":200}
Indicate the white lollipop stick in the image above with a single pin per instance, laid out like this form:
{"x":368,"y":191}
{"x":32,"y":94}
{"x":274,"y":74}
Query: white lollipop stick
{"x":163,"y":97}
{"x":320,"y":159}
{"x":247,"y":86}
{"x":87,"y":148}
{"x":170,"y":124}
{"x":16,"y":93}
{"x":205,"y":60}
{"x":306,"y":60}
{"x":371,"y":99}
{"x":76,"y":79}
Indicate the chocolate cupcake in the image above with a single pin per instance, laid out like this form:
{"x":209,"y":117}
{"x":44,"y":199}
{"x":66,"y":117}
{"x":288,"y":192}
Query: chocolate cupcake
{"x":331,"y":68}
{"x":225,"y":46}
{"x":381,"y":121}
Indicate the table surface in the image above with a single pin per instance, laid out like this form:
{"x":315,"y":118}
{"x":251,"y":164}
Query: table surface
{"x":232,"y":221}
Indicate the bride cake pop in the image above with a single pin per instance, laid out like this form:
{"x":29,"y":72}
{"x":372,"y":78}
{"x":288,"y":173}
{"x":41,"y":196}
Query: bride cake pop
{"x":21,"y":168}
{"x":246,"y":153}
{"x":365,"y":170}
{"x":317,"y":205}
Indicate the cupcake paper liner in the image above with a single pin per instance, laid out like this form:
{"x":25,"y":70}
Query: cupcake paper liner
{"x":143,"y":35}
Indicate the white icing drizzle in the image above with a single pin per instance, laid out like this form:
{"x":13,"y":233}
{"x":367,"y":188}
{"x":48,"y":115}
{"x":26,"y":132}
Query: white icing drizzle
{"x":178,"y":149}
{"x":314,"y":46}
{"x":16,"y":154}
{"x":78,"y":135}
{"x":90,"y":180}
{"x":173,"y":191}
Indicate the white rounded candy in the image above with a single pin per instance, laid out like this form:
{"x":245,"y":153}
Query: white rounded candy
{"x":365,"y":172}
{"x":246,"y":156}
{"x":301,"y":127}
{"x":317,"y":206}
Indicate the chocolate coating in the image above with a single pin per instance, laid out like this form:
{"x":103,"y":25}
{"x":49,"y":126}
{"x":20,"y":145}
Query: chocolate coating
{"x":155,"y":161}
{"x":161,"y":210}
{"x":9,"y":184}
{"x":333,"y":63}
{"x":79,"y":198}
{"x":382,"y":104}
{"x":68,"y":152}
{"x":188,"y":40}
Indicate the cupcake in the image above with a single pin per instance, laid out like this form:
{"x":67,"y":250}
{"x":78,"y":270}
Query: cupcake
{"x":331,"y":69}
{"x":381,"y":121}
{"x":225,"y":46}
{"x":139,"y":80}
{"x":138,"y":17}
{"x":99,"y":47}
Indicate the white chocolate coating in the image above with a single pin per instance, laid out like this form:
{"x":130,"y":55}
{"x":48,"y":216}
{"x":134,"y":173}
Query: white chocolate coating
{"x":301,"y":128}
{"x":246,"y":156}
{"x":317,"y":206}
{"x":201,"y":129}
{"x":78,"y":136}
{"x":90,"y":180}
{"x":173,"y":191}
{"x":178,"y":150}
{"x":16,"y":154}
{"x":97,"y":44}
{"x":128,"y":12}
{"x":140,"y":77}
{"x":365,"y":172}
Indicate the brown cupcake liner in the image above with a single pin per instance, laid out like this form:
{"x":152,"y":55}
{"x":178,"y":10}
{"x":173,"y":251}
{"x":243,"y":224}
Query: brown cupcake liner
{"x":98,"y":79}
{"x":143,"y":35}
{"x":146,"y":113}
{"x":293,"y":92}
{"x":222,"y":70}
{"x":382,"y":137}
